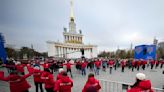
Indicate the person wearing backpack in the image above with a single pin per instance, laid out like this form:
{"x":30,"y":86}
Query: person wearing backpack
{"x":92,"y":85}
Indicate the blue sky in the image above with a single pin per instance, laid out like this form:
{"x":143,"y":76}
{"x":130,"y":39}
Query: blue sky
{"x":106,"y":23}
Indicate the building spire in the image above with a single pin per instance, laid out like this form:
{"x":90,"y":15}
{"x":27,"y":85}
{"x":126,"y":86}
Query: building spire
{"x":71,"y":12}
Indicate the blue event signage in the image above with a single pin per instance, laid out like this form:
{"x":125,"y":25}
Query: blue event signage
{"x":145,"y":52}
{"x":3,"y":55}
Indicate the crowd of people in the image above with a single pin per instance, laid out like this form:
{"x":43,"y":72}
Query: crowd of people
{"x":63,"y":83}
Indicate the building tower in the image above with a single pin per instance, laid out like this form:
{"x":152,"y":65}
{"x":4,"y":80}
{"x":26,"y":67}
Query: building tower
{"x":72,"y":36}
{"x":155,"y":41}
{"x":73,"y":46}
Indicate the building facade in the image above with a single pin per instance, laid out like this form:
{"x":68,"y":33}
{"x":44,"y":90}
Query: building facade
{"x":161,"y":45}
{"x":73,"y":43}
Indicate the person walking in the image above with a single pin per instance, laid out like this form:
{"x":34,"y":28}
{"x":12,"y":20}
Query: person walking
{"x":83,"y":66}
{"x":111,"y":64}
{"x":97,"y":67}
{"x":37,"y":79}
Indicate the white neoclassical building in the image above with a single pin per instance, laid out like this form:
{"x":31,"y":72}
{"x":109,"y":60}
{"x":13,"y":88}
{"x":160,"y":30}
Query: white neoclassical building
{"x":73,"y":43}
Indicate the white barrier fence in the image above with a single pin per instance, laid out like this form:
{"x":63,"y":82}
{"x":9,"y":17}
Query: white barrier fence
{"x":113,"y":86}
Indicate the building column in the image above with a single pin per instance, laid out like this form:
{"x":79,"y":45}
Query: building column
{"x":80,"y":39}
{"x":64,"y":38}
{"x":66,"y":52}
{"x":68,"y":38}
{"x":56,"y":54}
{"x":62,"y":51}
{"x":58,"y":51}
{"x":76,"y":38}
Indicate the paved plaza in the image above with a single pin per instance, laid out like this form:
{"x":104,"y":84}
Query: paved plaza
{"x":156,"y":77}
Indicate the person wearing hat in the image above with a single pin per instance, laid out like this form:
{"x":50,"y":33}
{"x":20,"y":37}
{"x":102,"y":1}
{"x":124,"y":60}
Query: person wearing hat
{"x":141,"y":84}
{"x":20,"y":68}
{"x":61,"y":70}
{"x":37,"y":78}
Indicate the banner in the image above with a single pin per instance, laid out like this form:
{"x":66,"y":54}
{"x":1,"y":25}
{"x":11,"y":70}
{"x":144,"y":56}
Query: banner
{"x":145,"y":52}
{"x":3,"y":55}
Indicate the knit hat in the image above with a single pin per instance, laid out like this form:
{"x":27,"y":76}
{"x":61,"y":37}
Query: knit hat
{"x":37,"y":67}
{"x":61,"y":70}
{"x":140,"y":76}
{"x":18,"y":63}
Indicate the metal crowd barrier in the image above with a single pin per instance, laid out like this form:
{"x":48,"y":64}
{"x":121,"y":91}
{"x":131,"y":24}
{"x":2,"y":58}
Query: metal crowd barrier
{"x":113,"y":86}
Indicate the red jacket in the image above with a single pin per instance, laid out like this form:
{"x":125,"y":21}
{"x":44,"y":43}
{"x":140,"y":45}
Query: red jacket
{"x":20,"y":68}
{"x":37,"y":76}
{"x":68,"y":65}
{"x":111,"y":63}
{"x":58,"y":76}
{"x":143,"y":86}
{"x":29,"y":68}
{"x":138,"y":63}
{"x":92,"y":85}
{"x":48,"y":79}
{"x":17,"y":83}
{"x":144,"y":62}
{"x":133,"y":63}
{"x":152,"y":62}
{"x":45,"y":65}
{"x":123,"y":63}
{"x":162,"y":62}
{"x":97,"y":64}
{"x":83,"y":65}
{"x":63,"y":85}
{"x":156,"y":62}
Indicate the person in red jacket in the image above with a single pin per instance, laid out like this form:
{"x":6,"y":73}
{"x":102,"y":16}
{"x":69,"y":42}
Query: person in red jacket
{"x":141,"y":84}
{"x":156,"y":64}
{"x":83,"y":66}
{"x":92,"y":85}
{"x":46,"y":65}
{"x":138,"y":64}
{"x":144,"y":62}
{"x":162,"y":63}
{"x":20,"y":68}
{"x":16,"y":82}
{"x":48,"y":80}
{"x":37,"y":78}
{"x":111,"y":64}
{"x":64,"y":84}
{"x":97,"y":66}
{"x":123,"y":64}
{"x":133,"y":65}
{"x":152,"y":62}
{"x":68,"y":67}
{"x":61,"y":70}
